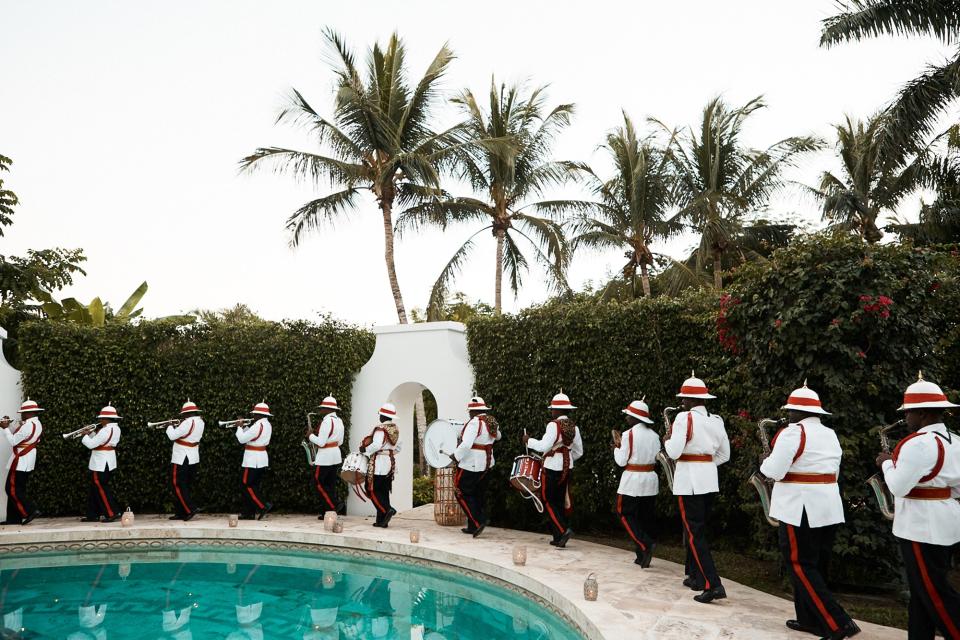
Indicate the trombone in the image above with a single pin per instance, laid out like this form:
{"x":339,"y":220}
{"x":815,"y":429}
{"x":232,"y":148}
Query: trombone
{"x":163,"y":424}
{"x":82,"y":431}
{"x":239,"y":422}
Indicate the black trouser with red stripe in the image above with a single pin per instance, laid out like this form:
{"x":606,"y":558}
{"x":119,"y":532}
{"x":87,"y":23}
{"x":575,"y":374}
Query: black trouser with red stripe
{"x":803,"y":548}
{"x":250,"y":494}
{"x":380,"y":495}
{"x":325,"y":484}
{"x":554,"y":494}
{"x":100,"y":500}
{"x":181,"y":479}
{"x":695,"y":512}
{"x":934,"y":604}
{"x":471,"y":487}
{"x":637,"y":515}
{"x":19,"y":505}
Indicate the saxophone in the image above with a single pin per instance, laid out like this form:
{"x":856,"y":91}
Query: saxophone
{"x":761,"y":483}
{"x":880,"y":490}
{"x":309,"y":448}
{"x":668,"y":464}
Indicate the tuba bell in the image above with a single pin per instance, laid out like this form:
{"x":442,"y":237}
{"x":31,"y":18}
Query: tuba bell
{"x":880,"y":490}
{"x":760,"y":482}
{"x":668,"y":464}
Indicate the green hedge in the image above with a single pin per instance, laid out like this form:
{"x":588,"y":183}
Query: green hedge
{"x":149,"y":369}
{"x":804,"y":314}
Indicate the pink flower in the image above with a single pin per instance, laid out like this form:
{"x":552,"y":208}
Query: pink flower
{"x":861,"y":354}
{"x":884,"y":314}
{"x":885,"y":301}
{"x":835,"y":322}
{"x":743,"y":413}
{"x":866,"y":298}
{"x":778,"y":323}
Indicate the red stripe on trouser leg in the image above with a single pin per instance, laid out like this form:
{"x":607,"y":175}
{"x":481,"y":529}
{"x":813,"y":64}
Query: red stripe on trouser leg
{"x":934,"y":596}
{"x":373,"y":496}
{"x":798,"y":569}
{"x":176,"y":490}
{"x":253,"y":495}
{"x":103,"y":495}
{"x":463,"y":503}
{"x":546,"y":503}
{"x":626,"y":525}
{"x":316,"y":478}
{"x":12,"y":480}
{"x":693,"y":546}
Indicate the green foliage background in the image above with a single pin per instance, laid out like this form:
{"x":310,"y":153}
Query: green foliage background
{"x":148,"y":370}
{"x":779,"y":328}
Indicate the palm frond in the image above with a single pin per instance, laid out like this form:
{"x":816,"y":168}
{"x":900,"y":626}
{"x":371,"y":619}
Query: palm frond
{"x":314,"y":214}
{"x":441,"y":288}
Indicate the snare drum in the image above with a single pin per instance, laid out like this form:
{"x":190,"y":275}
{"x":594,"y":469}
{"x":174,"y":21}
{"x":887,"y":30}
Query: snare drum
{"x":354,"y":468}
{"x":525,"y":478}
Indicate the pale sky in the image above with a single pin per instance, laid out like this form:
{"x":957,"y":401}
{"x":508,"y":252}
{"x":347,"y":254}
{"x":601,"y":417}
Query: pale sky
{"x":125,"y":121}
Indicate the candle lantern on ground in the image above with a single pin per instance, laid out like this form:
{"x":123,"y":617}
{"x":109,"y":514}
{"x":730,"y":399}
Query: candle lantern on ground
{"x":590,"y":588}
{"x":415,"y":536}
{"x":329,"y":519}
{"x":520,"y":555}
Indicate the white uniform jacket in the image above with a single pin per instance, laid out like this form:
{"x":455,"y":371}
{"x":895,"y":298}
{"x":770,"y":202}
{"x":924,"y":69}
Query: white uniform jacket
{"x":698,"y":434}
{"x":329,"y":437}
{"x":24,"y":442}
{"x":803,"y":456}
{"x":186,"y":440}
{"x":102,"y":445}
{"x":551,"y":442}
{"x":381,"y":452}
{"x":924,"y":465}
{"x":255,"y":439}
{"x":471,"y":453}
{"x":638,"y":446}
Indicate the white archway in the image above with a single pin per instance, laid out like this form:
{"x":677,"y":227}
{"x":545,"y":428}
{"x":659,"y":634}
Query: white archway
{"x":407,"y":359}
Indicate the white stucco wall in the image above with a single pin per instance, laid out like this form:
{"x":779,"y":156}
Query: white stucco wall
{"x":10,"y":398}
{"x":407,"y":359}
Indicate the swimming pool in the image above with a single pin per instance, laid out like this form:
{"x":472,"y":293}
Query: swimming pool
{"x":216,"y":592}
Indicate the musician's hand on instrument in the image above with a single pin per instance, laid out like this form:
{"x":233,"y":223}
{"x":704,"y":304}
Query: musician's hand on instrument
{"x":883,"y":457}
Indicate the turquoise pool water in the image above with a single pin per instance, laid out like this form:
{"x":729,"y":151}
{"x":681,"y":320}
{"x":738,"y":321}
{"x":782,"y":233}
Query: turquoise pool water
{"x":201,"y":592}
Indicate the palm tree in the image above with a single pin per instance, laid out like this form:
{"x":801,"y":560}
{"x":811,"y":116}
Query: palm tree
{"x":870,"y":181}
{"x":632,"y":207}
{"x":914,"y":114}
{"x":720,"y":184}
{"x":379,"y":140}
{"x":505,"y":178}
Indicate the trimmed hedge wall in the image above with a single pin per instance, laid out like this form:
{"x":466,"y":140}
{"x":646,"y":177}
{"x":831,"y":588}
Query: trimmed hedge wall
{"x":858,"y":321}
{"x":149,"y":369}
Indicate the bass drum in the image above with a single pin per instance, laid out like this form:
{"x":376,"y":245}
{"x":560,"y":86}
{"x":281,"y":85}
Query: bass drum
{"x":441,"y":435}
{"x":354,"y":468}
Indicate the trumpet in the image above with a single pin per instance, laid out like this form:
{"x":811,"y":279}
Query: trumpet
{"x":79,"y":433}
{"x":880,"y":490}
{"x":163,"y":424}
{"x":761,"y":483}
{"x":239,"y":422}
{"x":668,"y":464}
{"x":309,"y":448}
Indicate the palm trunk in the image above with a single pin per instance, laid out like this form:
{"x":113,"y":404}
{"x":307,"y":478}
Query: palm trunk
{"x":420,"y":416}
{"x":387,"y":209}
{"x":717,"y":275}
{"x":645,"y":279}
{"x":498,"y":279}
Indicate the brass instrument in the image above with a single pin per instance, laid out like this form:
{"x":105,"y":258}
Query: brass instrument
{"x":760,"y":482}
{"x":239,"y":422}
{"x":163,"y":424}
{"x":668,"y":464}
{"x":82,"y":431}
{"x":616,"y":437}
{"x":308,"y":447}
{"x":880,"y":490}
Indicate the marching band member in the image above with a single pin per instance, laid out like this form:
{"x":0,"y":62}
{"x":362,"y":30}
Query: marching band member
{"x":805,"y":461}
{"x":698,"y":442}
{"x":185,"y":459}
{"x":328,"y":437}
{"x":380,"y":445}
{"x":23,"y":440}
{"x":103,"y":461}
{"x":636,"y":498}
{"x":255,"y":439}
{"x":474,"y":456}
{"x":561,"y":446}
{"x":923,"y":474}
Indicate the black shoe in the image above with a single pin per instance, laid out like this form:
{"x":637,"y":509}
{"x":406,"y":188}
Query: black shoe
{"x":483,"y":525}
{"x":175,"y":516}
{"x":266,"y":509}
{"x":189,"y":516}
{"x":247,"y":516}
{"x":562,"y":542}
{"x":646,"y":557}
{"x":709,"y":595}
{"x":389,"y":514}
{"x":320,"y":517}
{"x":795,"y":625}
{"x":30,"y":518}
{"x":554,"y":543}
{"x":846,"y":631}
{"x":692,"y":584}
{"x":113,"y":518}
{"x":97,"y":519}
{"x":380,"y":524}
{"x":467,"y":530}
